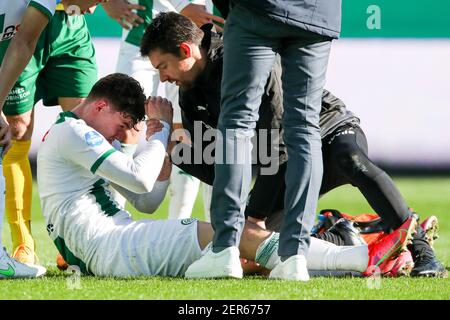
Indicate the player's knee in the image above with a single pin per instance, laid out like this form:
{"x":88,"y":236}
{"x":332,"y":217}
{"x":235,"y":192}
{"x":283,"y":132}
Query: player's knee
{"x":21,"y":127}
{"x":356,"y":164}
{"x":351,"y":163}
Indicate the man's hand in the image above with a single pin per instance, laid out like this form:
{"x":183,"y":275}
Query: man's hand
{"x":160,"y":109}
{"x":5,"y":134}
{"x":122,"y":12}
{"x":198,"y":14}
{"x":153,"y":126}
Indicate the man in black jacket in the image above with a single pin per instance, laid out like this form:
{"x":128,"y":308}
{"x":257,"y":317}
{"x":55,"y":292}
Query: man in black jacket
{"x":344,"y":145}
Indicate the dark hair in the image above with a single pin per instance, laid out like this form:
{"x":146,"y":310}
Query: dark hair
{"x":166,"y":33}
{"x":124,"y":93}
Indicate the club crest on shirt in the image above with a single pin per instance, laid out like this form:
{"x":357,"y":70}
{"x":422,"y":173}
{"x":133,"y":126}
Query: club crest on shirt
{"x":93,"y":138}
{"x":187,"y":221}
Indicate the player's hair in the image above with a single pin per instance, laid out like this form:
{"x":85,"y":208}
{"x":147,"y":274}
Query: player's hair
{"x":124,"y":93}
{"x":166,"y":33}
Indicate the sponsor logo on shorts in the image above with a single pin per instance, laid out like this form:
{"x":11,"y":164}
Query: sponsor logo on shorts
{"x":93,"y":138}
{"x":187,"y":221}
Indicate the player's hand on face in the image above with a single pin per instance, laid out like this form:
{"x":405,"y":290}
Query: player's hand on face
{"x":198,"y":14}
{"x":160,"y":109}
{"x":5,"y":135}
{"x":153,"y":126}
{"x":122,"y":12}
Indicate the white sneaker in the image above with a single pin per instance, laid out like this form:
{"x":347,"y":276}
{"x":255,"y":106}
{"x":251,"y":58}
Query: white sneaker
{"x":224,"y":264}
{"x":13,"y":269}
{"x":293,"y":268}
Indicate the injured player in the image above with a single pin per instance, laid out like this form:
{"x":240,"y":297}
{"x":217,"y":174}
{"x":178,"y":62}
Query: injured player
{"x":76,"y":163}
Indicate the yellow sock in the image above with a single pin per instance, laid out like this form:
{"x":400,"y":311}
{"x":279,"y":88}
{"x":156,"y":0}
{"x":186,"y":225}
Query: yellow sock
{"x":19,"y":184}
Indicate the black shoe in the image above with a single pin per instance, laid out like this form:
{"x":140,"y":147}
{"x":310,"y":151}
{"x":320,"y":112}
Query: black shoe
{"x":348,"y":232}
{"x":429,"y":266}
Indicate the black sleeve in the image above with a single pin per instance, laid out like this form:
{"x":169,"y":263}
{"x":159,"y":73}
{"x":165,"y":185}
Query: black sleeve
{"x":183,"y":155}
{"x":223,"y":6}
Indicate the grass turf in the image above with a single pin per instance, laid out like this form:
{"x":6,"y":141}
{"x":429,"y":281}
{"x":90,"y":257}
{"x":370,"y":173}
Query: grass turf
{"x":426,"y":196}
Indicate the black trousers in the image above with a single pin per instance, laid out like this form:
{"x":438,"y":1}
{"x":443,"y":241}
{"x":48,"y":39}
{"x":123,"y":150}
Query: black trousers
{"x":345,"y":160}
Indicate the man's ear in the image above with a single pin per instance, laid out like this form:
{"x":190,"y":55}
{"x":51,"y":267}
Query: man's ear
{"x":186,"y":50}
{"x":100,"y":104}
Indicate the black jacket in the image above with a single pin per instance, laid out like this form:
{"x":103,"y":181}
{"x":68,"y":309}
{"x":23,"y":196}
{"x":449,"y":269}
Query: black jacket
{"x":319,"y":16}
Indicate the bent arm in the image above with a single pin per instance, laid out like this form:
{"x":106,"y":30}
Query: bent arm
{"x":139,"y":174}
{"x":145,"y":202}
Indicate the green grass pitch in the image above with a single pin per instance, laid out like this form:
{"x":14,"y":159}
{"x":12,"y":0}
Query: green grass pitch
{"x":426,"y":196}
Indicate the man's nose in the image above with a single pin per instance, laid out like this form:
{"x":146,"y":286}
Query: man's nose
{"x":162,"y":77}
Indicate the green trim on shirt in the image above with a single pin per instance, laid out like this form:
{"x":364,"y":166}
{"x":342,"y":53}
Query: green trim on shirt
{"x":102,"y":158}
{"x":103,"y":199}
{"x":42,"y":9}
{"x":64,"y":115}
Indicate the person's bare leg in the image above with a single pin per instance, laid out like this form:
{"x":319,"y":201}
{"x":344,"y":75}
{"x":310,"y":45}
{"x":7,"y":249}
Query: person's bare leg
{"x":252,"y":237}
{"x":261,"y":246}
{"x":19,"y":185}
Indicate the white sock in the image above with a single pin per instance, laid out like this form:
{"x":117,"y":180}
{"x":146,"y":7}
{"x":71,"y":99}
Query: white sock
{"x":183,"y":193}
{"x":207,"y":194}
{"x":267,"y":252}
{"x":324,"y":255}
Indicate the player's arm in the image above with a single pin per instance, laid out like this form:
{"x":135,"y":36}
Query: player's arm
{"x":139,"y":174}
{"x":17,"y":56}
{"x":146,"y":202}
{"x":87,"y":148}
{"x":123,"y":12}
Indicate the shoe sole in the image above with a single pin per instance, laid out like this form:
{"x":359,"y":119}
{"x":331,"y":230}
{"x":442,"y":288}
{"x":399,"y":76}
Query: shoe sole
{"x":432,"y":274}
{"x":212,"y":276}
{"x":431,"y":229}
{"x":405,"y":270}
{"x":412,"y":230}
{"x":225,"y":275}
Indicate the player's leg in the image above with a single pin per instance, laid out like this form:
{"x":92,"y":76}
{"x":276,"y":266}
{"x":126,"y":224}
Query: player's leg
{"x":304,"y":58}
{"x":261,"y":245}
{"x":18,"y":108}
{"x":349,"y":153}
{"x":11,"y":268}
{"x":207,"y":194}
{"x":183,"y":193}
{"x":19,"y":183}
